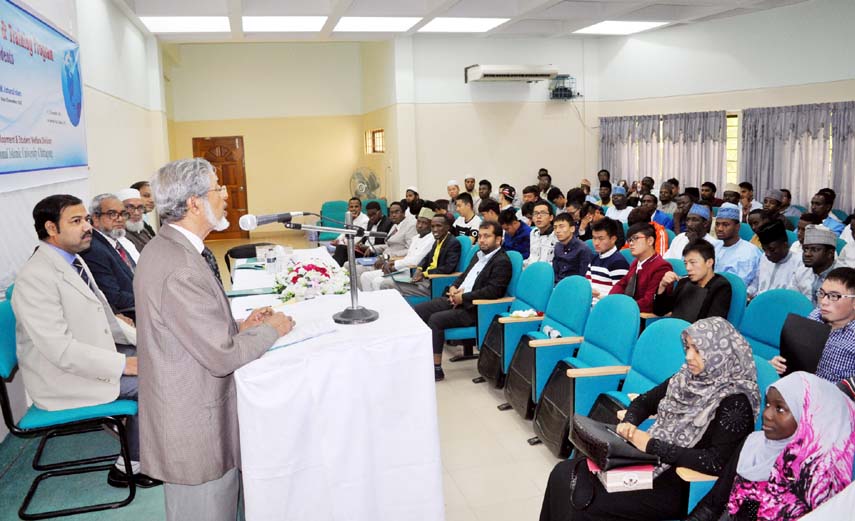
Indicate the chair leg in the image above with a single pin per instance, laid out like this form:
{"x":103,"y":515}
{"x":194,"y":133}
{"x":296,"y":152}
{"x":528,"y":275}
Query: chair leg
{"x":468,"y":352}
{"x":64,"y":464}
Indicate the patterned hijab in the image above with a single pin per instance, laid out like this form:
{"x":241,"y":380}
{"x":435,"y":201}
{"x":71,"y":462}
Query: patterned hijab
{"x":691,"y":401}
{"x":789,"y":478}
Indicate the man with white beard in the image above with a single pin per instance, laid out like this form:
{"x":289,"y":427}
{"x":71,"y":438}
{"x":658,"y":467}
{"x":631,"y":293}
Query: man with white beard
{"x":137,"y":233}
{"x":108,"y":259}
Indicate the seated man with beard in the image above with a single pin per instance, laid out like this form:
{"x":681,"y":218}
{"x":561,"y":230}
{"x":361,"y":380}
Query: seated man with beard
{"x":698,"y":221}
{"x":136,"y":231}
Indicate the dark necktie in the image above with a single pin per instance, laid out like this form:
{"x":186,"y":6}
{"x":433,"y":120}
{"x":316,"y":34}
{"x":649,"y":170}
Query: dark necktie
{"x":78,"y":265}
{"x":630,"y":286}
{"x":212,"y":263}
{"x":126,"y":258}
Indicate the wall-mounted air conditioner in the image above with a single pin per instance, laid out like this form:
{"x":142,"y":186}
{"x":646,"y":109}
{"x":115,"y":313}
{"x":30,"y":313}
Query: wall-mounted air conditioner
{"x":527,"y":73}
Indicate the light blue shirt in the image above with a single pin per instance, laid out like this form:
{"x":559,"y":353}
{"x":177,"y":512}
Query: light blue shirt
{"x":476,"y":270}
{"x":834,"y":225}
{"x":742,"y":259}
{"x":69,"y":257}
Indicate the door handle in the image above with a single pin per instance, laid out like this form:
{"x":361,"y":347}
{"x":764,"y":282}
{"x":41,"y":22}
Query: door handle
{"x":241,"y":189}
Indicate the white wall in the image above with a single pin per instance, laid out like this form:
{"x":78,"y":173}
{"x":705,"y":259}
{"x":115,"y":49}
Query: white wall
{"x":378,"y":75}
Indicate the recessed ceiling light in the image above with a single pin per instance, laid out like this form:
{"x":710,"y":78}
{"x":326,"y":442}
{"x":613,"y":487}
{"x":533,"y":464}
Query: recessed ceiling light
{"x":283,"y":24}
{"x":462,"y":25}
{"x":618,"y":28}
{"x":187,"y":24}
{"x":375,"y":24}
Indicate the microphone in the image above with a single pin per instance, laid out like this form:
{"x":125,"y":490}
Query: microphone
{"x":250,"y":222}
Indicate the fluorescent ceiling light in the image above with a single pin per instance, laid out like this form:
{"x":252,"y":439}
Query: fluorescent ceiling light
{"x":375,"y":24}
{"x":187,"y":24}
{"x":283,"y":24}
{"x":462,"y":25}
{"x":614,"y":27}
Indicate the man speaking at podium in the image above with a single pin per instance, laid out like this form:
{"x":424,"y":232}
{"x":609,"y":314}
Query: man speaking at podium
{"x":189,"y":345}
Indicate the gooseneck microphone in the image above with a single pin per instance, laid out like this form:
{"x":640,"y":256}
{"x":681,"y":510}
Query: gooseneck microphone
{"x":250,"y":222}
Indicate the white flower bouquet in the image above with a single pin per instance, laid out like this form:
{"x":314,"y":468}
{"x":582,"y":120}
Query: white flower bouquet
{"x":306,"y":280}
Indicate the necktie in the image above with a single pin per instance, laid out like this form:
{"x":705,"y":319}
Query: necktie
{"x":78,"y":265}
{"x":212,"y":263}
{"x":630,"y":286}
{"x":123,"y":253}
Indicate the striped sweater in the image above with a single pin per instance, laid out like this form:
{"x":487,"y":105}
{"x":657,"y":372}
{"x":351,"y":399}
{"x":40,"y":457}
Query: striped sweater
{"x":605,"y":271}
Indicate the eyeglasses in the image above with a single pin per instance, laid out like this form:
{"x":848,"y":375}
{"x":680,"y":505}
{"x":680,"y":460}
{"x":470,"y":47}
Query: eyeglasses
{"x":834,"y":297}
{"x":540,"y":213}
{"x":135,"y":209}
{"x":113,"y":214}
{"x":636,"y":238}
{"x":222,"y":189}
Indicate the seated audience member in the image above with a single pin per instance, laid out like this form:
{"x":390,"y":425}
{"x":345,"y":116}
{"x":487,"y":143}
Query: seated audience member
{"x":604,"y":175}
{"x":666,"y":198}
{"x":731,"y":194}
{"x":642,"y":215}
{"x":517,"y":234}
{"x":397,"y":242}
{"x":556,"y":197}
{"x":414,"y":202}
{"x":747,"y":201}
{"x":646,"y":271}
{"x":468,"y":222}
{"x":818,"y":258}
{"x":109,"y":261}
{"x":441,"y":259}
{"x":695,"y":193}
{"x":619,"y":211}
{"x":708,"y":191}
{"x":507,"y":194}
{"x":801,"y":458}
{"x":702,"y":415}
{"x":606,"y":195}
{"x":150,"y":217}
{"x":544,"y":183}
{"x":697,"y":227}
{"x":453,"y":190}
{"x":469,"y":184}
{"x":756,"y":220}
{"x":608,"y":266}
{"x":773,"y":206}
{"x":527,"y":212}
{"x":847,"y":254}
{"x":787,"y":209}
{"x":438,"y":207}
{"x":72,"y":350}
{"x":779,"y":265}
{"x":485,"y":192}
{"x":367,"y":246}
{"x":576,"y":197}
{"x":805,"y":219}
{"x":733,"y":254}
{"x":489,"y":210}
{"x":542,"y":238}
{"x":585,"y":186}
{"x":684,"y":203}
{"x":650,"y":201}
{"x":700,"y":294}
{"x":675,"y":186}
{"x":514,"y":199}
{"x":354,"y":207}
{"x":572,"y":256}
{"x":486,"y":277}
{"x":821,"y":205}
{"x":418,"y":240}
{"x":136,"y":230}
{"x":531,"y":193}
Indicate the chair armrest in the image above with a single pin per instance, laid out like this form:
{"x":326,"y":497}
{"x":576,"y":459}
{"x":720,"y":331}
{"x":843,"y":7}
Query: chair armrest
{"x":484,"y":302}
{"x":431,"y":276}
{"x":517,"y":320}
{"x":608,"y":370}
{"x":560,"y":341}
{"x":645,"y":316}
{"x":693,"y":476}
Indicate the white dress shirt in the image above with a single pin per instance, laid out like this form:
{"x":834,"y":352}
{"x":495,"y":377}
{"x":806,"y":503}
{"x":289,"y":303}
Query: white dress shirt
{"x":771,"y":275}
{"x":483,"y":259}
{"x":675,"y":250}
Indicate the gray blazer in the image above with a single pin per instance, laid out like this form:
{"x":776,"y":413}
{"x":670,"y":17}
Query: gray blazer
{"x":66,"y":335}
{"x":188,"y":346}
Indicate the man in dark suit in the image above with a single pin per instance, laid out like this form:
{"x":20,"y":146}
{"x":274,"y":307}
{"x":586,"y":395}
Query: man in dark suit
{"x":442,"y":258}
{"x":367,"y":246}
{"x":109,"y":262}
{"x":487,"y":277}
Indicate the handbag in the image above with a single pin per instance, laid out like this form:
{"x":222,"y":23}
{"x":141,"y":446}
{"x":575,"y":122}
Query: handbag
{"x":604,"y":446}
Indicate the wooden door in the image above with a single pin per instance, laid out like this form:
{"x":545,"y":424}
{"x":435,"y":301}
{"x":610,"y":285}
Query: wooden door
{"x":226,"y":154}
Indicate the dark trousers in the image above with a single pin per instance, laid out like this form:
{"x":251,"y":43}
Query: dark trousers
{"x":439,"y":316}
{"x":340,"y":254}
{"x":129,"y":390}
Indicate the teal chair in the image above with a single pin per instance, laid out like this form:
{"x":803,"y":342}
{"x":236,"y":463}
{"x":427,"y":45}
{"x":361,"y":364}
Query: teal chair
{"x":738,"y":298}
{"x":745,"y":232}
{"x":384,"y":207}
{"x":54,"y":424}
{"x":840,"y":245}
{"x":764,"y":318}
{"x":794,"y":219}
{"x":627,"y":254}
{"x":715,"y":211}
{"x":608,"y":340}
{"x":532,"y":363}
{"x":671,"y":234}
{"x":678,"y":267}
{"x":840,"y":214}
{"x":792,"y":237}
{"x":625,"y":228}
{"x":532,"y":291}
{"x":439,"y":282}
{"x":590,"y":243}
{"x":9,"y":291}
{"x":799,"y":208}
{"x":332,"y":213}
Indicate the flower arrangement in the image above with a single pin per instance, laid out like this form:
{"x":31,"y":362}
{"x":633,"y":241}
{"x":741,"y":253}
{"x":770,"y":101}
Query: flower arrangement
{"x":306,"y":280}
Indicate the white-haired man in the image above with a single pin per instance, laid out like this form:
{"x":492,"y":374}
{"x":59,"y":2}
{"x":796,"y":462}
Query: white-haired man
{"x":136,"y":230}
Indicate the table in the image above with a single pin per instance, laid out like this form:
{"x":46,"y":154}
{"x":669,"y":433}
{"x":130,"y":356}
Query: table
{"x":344,"y":425}
{"x":246,"y":279}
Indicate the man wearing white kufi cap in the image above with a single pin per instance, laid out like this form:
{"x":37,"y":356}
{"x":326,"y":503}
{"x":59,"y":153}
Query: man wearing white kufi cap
{"x":136,"y":232}
{"x":453,"y":189}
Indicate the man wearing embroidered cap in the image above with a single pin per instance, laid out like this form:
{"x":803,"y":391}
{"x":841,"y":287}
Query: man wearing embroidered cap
{"x":731,"y":193}
{"x":733,"y":254}
{"x":778,"y":265}
{"x":453,"y":189}
{"x":136,"y":232}
{"x":620,"y":210}
{"x":820,"y":245}
{"x":420,"y":245}
{"x":697,"y":226}
{"x":773,"y":204}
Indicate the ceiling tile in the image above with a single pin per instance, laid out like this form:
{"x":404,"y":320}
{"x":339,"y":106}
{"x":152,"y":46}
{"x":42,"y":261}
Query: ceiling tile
{"x":587,"y":10}
{"x":669,"y":13}
{"x":289,"y":8}
{"x":387,"y":8}
{"x":173,"y":8}
{"x":533,"y":27}
{"x":483,"y":8}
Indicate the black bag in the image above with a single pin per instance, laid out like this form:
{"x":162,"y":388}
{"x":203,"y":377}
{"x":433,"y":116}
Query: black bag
{"x":491,"y":354}
{"x":605,"y":409}
{"x":519,"y":380}
{"x":604,"y":446}
{"x":554,"y":411}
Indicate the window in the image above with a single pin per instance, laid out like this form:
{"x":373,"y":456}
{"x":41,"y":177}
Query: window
{"x":733,"y":148}
{"x":375,"y":142}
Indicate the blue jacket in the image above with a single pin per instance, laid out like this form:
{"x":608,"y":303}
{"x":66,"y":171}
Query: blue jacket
{"x":520,"y":241}
{"x":664,"y":219}
{"x":113,"y":276}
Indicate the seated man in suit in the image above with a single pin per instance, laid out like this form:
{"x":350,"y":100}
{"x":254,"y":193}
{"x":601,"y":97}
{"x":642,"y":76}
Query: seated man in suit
{"x":136,"y":229}
{"x":487,"y":277}
{"x":150,"y":216}
{"x":110,"y":262}
{"x":367,"y":246}
{"x":72,"y":350}
{"x":646,"y":271}
{"x":441,"y":259}
{"x":700,"y":294}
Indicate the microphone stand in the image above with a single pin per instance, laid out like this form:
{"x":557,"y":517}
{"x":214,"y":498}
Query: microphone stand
{"x":354,"y":314}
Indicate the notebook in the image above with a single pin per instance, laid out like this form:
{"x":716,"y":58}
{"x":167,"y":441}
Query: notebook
{"x":802,"y":342}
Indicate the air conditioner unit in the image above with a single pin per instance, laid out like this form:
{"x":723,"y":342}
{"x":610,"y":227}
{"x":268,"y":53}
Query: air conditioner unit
{"x":527,"y":73}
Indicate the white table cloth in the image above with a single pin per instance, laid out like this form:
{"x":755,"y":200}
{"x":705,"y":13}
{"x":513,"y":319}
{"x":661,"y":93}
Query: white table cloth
{"x":342,"y":426}
{"x":246,"y":279}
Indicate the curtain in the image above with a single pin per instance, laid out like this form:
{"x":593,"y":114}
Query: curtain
{"x":843,"y":154}
{"x":629,"y":147}
{"x":695,"y":148}
{"x":786,"y":147}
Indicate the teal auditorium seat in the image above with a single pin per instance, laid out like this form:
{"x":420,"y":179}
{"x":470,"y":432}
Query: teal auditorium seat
{"x":792,"y":237}
{"x":738,"y":297}
{"x":794,"y":219}
{"x":764,"y":318}
{"x":9,"y":291}
{"x":799,"y":208}
{"x":384,"y":207}
{"x":590,"y":243}
{"x":332,"y":211}
{"x":52,"y":424}
{"x":438,"y":282}
{"x":608,"y":340}
{"x":840,"y":245}
{"x":671,"y":234}
{"x":840,"y":214}
{"x":531,"y":366}
{"x":678,"y":267}
{"x":500,"y":339}
{"x":627,"y":254}
{"x":745,"y":232}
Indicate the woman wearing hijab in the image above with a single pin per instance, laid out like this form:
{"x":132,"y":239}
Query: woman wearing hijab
{"x":801,"y":459}
{"x":703,"y":413}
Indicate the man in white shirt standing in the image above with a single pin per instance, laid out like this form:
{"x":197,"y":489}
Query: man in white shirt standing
{"x":420,"y":245}
{"x":620,"y":210}
{"x":778,"y":265}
